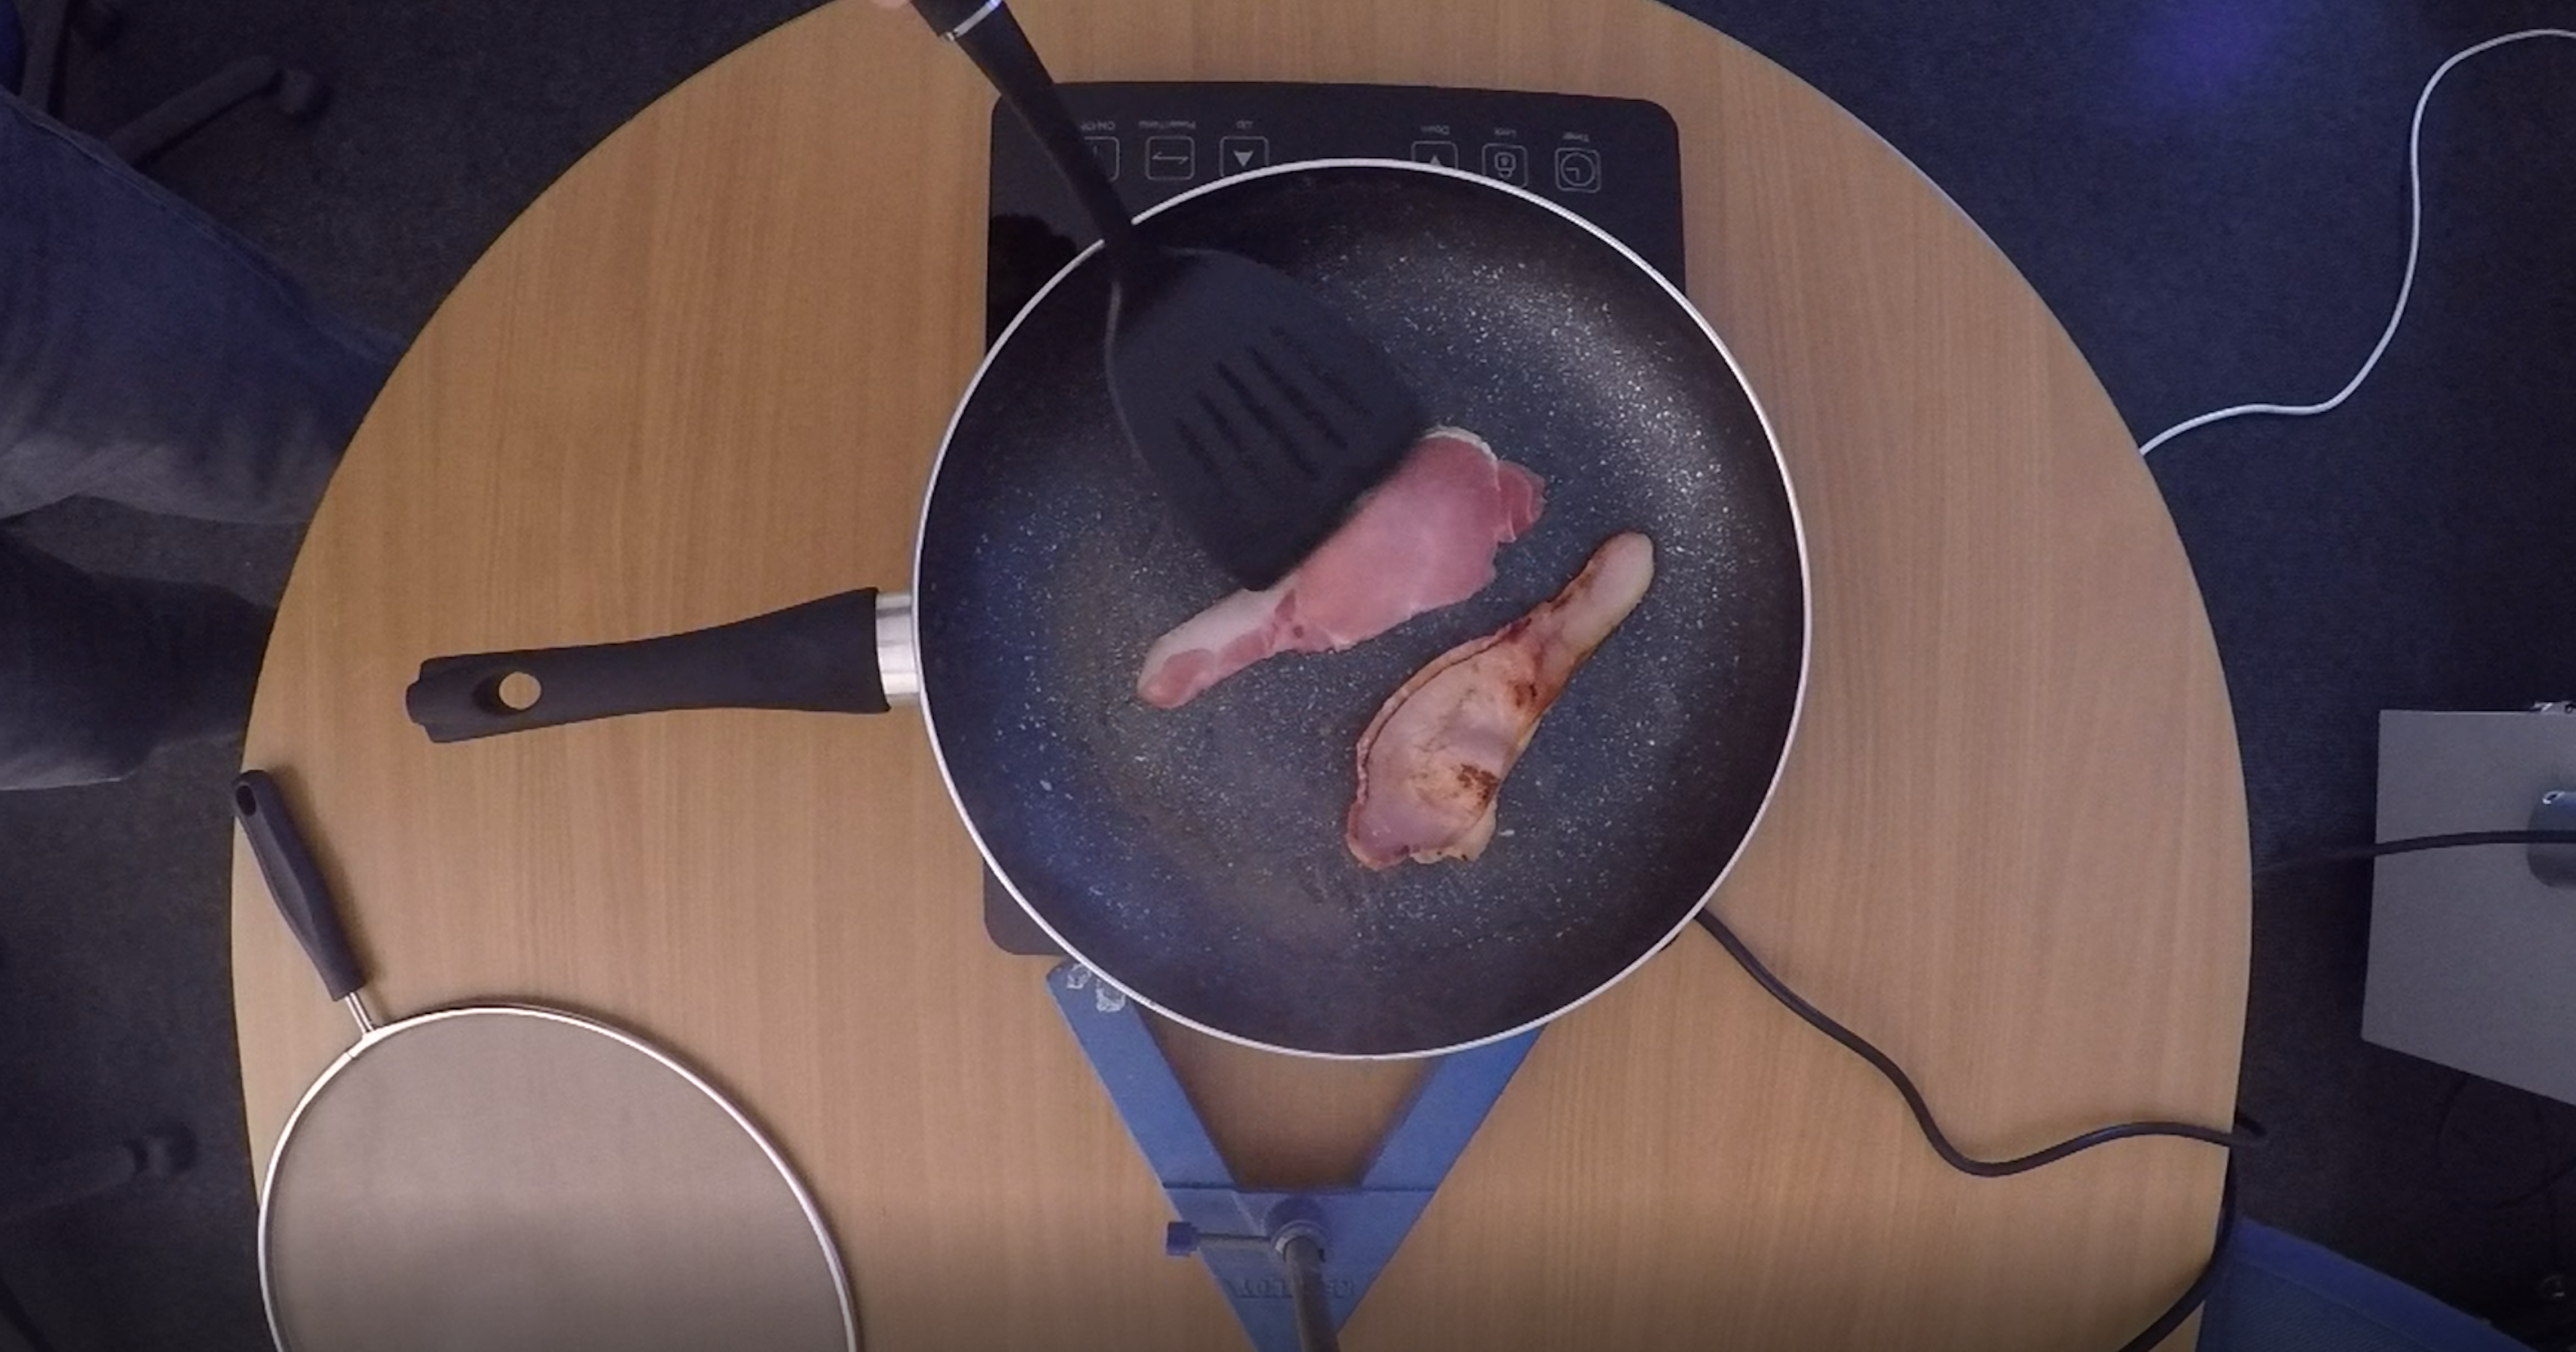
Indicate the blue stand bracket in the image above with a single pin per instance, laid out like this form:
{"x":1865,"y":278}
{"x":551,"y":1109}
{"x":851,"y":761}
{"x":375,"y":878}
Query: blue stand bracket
{"x":1243,"y":1234}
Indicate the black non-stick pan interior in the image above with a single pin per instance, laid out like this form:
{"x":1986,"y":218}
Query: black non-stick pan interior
{"x":1195,"y":856}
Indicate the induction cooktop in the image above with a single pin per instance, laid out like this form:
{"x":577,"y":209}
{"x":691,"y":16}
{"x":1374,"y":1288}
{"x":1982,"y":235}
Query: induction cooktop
{"x":1614,"y":162}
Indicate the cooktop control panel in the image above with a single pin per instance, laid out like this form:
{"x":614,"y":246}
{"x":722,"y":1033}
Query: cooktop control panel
{"x":1614,"y":162}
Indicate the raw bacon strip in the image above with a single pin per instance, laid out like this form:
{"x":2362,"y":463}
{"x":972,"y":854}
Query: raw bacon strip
{"x":1435,"y":755}
{"x":1425,"y":539}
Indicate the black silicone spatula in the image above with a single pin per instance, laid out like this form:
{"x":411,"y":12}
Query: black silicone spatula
{"x":1263,"y":415}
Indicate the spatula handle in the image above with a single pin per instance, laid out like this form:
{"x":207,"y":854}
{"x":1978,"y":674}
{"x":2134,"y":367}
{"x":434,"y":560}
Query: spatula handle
{"x":992,"y":38}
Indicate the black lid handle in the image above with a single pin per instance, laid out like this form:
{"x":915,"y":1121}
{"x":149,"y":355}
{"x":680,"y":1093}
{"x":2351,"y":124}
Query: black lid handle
{"x":295,"y":881}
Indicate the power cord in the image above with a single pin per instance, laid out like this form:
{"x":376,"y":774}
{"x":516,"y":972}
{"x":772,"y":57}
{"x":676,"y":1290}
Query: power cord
{"x":2246,"y":1132}
{"x":1895,"y":1075}
{"x":2412,"y":844}
{"x":2405,"y":285}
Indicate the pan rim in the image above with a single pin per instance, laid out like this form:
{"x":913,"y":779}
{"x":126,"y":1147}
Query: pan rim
{"x":385,"y":1032}
{"x":1770,"y":438}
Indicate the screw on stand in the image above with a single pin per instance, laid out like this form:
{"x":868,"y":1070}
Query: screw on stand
{"x":1297,"y":1239}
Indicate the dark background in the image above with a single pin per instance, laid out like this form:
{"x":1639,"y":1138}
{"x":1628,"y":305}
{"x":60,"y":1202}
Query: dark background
{"x":2210,"y":193}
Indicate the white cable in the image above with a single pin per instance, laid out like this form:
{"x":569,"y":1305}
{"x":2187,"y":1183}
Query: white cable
{"x":2414,"y":238}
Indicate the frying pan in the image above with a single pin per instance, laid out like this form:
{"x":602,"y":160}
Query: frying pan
{"x":516,"y":1179}
{"x":1194,"y":857}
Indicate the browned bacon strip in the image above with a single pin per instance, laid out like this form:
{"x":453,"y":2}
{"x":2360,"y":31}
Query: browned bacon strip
{"x":1433,"y":759}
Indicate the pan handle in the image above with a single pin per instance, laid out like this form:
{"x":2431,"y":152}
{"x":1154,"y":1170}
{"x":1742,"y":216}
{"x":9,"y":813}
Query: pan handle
{"x":295,"y":882}
{"x":825,"y":656}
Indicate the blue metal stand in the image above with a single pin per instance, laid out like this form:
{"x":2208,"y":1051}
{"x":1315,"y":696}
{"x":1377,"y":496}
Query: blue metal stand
{"x":1239,"y":1233}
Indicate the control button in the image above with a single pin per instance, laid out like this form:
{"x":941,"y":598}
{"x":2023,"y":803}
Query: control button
{"x":1578,"y":169}
{"x":1105,"y":150}
{"x":1442,"y":153}
{"x":1170,"y":158}
{"x":1235,"y":154}
{"x":1507,"y":160}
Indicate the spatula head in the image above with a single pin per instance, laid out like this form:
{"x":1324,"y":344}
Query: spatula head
{"x":1262,"y":413}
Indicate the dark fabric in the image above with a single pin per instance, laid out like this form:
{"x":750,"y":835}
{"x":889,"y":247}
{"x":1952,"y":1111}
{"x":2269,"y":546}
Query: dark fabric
{"x":147,"y":357}
{"x":97,"y":672}
{"x":2276,"y":1293}
{"x":13,"y":49}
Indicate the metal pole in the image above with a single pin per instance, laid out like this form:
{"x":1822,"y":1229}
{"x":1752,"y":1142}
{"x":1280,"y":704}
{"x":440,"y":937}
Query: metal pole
{"x":1300,"y":1247}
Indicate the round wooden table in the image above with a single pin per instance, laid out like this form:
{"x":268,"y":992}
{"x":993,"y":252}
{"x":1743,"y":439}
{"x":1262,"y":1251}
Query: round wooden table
{"x":704,"y":375}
